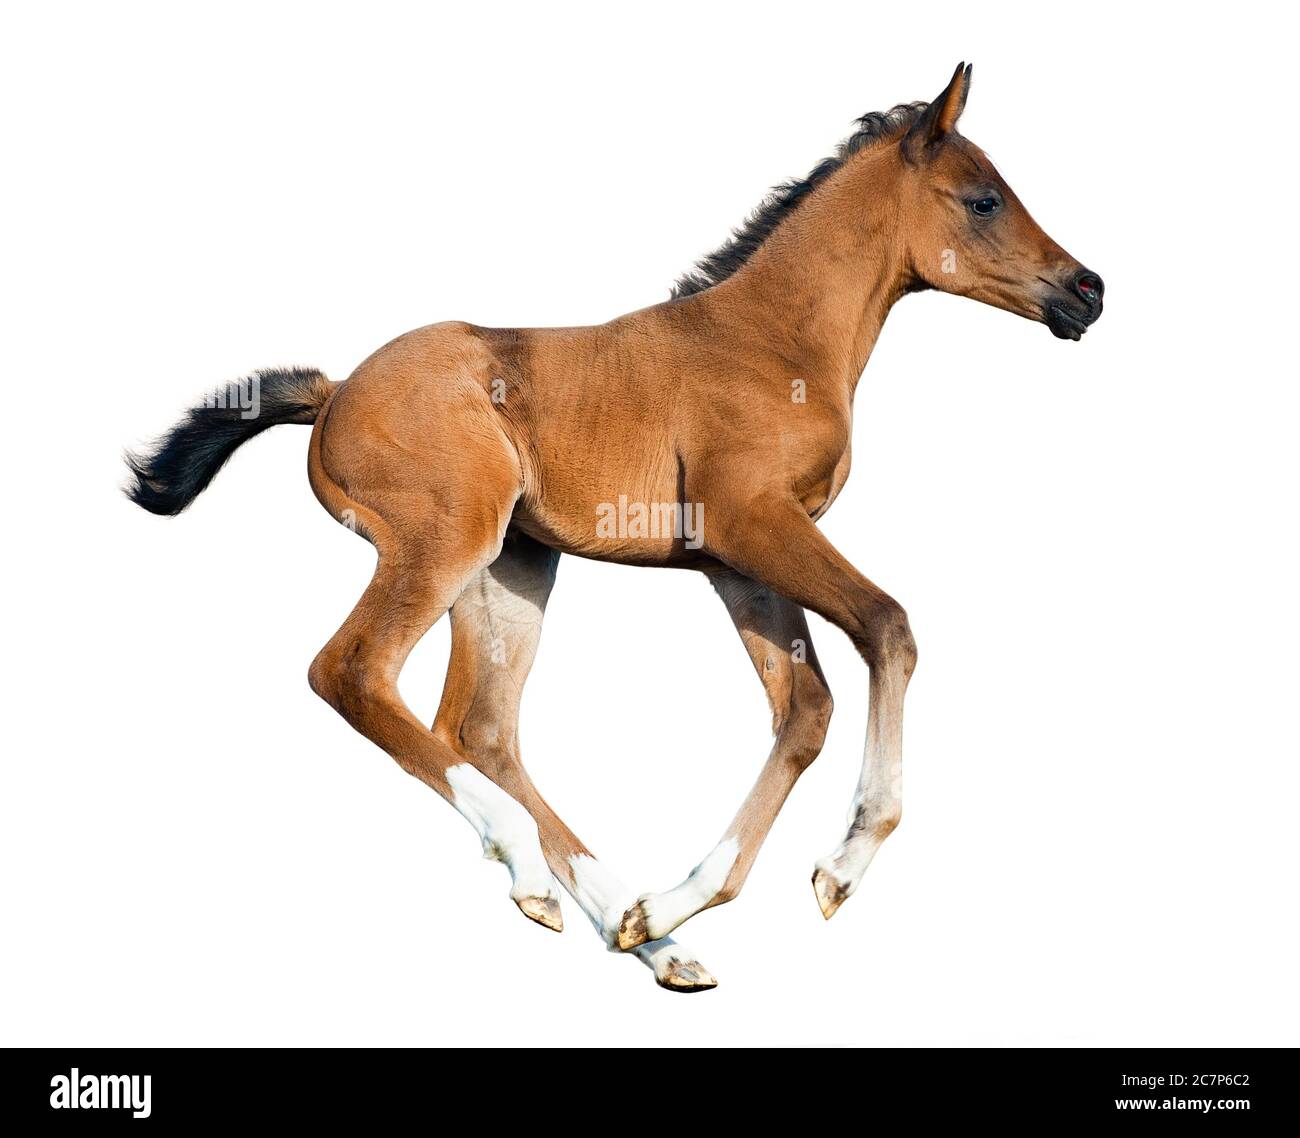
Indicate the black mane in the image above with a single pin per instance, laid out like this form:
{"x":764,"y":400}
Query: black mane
{"x":879,"y":126}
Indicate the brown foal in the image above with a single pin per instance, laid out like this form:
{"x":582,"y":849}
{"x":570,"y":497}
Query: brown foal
{"x":708,"y":432}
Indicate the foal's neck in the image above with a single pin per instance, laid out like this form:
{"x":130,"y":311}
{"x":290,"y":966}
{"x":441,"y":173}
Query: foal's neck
{"x":819,"y":288}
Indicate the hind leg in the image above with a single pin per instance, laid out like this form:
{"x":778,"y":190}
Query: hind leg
{"x":431,"y":538}
{"x":496,"y":624}
{"x":356,"y":673}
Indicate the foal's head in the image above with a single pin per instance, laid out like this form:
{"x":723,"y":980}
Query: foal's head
{"x":968,"y":233}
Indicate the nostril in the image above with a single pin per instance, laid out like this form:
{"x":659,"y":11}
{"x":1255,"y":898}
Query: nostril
{"x":1089,"y":286}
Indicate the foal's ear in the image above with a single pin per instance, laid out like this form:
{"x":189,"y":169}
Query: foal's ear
{"x":940,"y":117}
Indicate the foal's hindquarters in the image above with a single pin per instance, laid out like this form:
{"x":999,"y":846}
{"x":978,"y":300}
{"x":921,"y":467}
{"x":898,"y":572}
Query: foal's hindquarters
{"x":410,"y":452}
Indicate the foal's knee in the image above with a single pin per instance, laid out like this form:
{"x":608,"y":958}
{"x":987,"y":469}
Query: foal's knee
{"x":886,"y":639}
{"x":803,"y":731}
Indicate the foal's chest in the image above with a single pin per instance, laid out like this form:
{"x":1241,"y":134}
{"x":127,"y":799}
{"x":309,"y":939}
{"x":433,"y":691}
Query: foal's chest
{"x":819,"y":495}
{"x":818,"y":453}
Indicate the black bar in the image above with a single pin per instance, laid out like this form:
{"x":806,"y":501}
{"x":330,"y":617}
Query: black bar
{"x":1135,"y":1088}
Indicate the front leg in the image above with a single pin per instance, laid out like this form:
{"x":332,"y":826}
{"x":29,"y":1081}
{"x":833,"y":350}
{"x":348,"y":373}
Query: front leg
{"x":771,"y":539}
{"x":878,"y":802}
{"x":775,"y":634}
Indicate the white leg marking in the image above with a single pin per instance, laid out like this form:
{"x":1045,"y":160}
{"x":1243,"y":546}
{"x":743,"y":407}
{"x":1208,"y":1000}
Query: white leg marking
{"x":601,"y":896}
{"x":665,"y":911}
{"x":605,"y":899}
{"x":872,"y":807}
{"x":508,"y":831}
{"x":878,"y":802}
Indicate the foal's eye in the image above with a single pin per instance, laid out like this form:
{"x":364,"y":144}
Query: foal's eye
{"x":985,"y":207}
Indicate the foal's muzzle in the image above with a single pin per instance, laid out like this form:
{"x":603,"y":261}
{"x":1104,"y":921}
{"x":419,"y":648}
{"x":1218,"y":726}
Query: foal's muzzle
{"x":1074,"y":305}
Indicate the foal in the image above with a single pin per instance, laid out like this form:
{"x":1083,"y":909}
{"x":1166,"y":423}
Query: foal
{"x":473,"y":457}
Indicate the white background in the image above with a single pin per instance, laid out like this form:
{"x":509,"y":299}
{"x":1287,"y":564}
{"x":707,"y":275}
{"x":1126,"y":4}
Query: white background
{"x":1095,"y":541}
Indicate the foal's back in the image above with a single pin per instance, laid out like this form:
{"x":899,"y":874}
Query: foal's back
{"x":601,"y":420}
{"x":589,"y":414}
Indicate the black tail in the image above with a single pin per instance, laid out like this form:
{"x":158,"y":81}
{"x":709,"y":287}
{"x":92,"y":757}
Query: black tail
{"x":169,"y":477}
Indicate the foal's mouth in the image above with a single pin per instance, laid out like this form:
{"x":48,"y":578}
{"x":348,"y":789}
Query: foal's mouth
{"x":1062,"y":311}
{"x":1067,"y":322}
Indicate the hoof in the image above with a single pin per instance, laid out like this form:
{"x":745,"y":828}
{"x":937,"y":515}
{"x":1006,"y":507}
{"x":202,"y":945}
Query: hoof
{"x":543,"y":910}
{"x":685,"y":976}
{"x":831,"y":894}
{"x":632,"y":929}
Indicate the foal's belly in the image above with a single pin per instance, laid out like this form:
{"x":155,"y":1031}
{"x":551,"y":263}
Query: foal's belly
{"x":634,"y":509}
{"x":656,"y":554}
{"x":637,"y":518}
